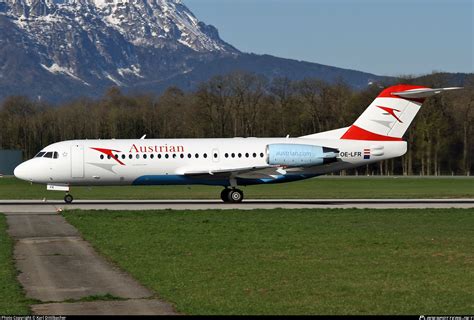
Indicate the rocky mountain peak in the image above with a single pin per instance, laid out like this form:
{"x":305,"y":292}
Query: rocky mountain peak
{"x":156,"y":23}
{"x":98,"y":43}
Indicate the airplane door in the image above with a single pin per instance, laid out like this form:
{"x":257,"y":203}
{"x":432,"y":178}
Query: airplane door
{"x":77,"y":161}
{"x":215,"y":155}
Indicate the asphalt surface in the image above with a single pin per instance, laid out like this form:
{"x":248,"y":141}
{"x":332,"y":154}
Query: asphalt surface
{"x":56,"y":265}
{"x":27,"y":206}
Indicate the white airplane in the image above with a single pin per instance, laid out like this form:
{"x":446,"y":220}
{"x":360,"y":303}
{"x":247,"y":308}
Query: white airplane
{"x":375,"y":136}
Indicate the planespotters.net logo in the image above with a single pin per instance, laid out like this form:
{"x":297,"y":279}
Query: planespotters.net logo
{"x":446,"y":318}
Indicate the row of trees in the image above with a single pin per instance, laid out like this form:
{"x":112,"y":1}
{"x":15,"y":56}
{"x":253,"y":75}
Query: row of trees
{"x":248,"y":105}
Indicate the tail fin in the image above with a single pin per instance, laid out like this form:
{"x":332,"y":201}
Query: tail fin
{"x":391,"y":113}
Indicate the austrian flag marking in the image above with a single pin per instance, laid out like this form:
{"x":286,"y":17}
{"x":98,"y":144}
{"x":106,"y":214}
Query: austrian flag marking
{"x":367,"y":154}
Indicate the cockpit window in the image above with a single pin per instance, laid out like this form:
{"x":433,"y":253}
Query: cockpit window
{"x":50,"y":155}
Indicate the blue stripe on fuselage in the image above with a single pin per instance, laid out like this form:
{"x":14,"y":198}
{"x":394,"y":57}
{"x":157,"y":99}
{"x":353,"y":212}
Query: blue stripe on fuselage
{"x":186,"y":180}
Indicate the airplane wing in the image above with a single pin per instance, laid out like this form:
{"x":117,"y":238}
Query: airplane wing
{"x":264,"y":172}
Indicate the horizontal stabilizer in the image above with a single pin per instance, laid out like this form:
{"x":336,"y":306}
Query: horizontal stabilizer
{"x":422,"y":93}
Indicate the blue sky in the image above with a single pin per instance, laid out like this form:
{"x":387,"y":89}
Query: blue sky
{"x":386,"y":37}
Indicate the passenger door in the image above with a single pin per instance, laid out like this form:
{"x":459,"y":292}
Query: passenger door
{"x":77,"y":161}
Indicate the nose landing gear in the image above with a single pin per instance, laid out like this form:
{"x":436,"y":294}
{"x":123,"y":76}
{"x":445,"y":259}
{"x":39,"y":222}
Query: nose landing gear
{"x":68,"y":198}
{"x":63,"y":188}
{"x":232,"y":195}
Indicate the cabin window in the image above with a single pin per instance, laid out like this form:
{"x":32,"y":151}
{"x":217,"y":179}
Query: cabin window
{"x":197,"y":155}
{"x":101,"y":157}
{"x":205,"y":156}
{"x":159,"y":156}
{"x":240,"y":155}
{"x":123,"y":157}
{"x":144,"y":156}
{"x":226,"y":155}
{"x":215,"y":155}
{"x":174,"y":156}
{"x":130,"y":156}
{"x":189,"y":156}
{"x":233,"y":155}
{"x":247,"y":155}
{"x":167,"y":156}
{"x":152,"y":156}
{"x":262,"y":155}
{"x":181,"y":156}
{"x":138,"y":156}
{"x":254,"y":155}
{"x":109,"y":157}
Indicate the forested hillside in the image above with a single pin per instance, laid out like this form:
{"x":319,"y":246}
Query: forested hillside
{"x":247,"y":105}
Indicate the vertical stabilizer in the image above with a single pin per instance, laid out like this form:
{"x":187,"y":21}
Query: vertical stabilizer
{"x":391,"y":113}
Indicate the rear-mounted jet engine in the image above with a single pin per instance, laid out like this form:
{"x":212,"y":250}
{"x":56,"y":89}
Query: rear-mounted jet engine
{"x":300,"y":155}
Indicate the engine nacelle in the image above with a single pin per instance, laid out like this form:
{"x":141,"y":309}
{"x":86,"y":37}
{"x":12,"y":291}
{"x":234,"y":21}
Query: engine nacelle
{"x":296,"y":155}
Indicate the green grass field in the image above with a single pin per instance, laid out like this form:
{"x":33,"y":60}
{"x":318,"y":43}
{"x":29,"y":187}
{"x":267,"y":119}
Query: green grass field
{"x":318,"y":188}
{"x":12,"y":299}
{"x":294,"y":261}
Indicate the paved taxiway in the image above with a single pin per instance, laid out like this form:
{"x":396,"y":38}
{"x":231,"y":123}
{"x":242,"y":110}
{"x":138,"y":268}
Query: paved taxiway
{"x":58,"y":267}
{"x":28,"y":206}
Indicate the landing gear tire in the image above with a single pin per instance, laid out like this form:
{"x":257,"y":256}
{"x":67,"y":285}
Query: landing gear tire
{"x":68,"y":198}
{"x":235,"y":196}
{"x":225,"y":195}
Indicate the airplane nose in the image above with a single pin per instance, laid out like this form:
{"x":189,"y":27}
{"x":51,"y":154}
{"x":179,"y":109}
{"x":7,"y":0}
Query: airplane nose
{"x":21,"y":172}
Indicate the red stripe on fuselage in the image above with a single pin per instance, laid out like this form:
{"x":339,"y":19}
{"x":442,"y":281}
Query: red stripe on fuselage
{"x":356,"y":133}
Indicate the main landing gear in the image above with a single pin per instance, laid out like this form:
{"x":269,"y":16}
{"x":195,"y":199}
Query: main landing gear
{"x":68,"y":198}
{"x":232,"y":195}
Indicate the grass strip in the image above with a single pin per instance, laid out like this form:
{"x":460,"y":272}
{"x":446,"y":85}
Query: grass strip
{"x":294,"y":261}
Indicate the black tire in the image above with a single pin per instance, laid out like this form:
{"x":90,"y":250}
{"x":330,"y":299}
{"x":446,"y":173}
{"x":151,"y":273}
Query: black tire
{"x":225,"y":195}
{"x":236,"y":196}
{"x":68,"y":199}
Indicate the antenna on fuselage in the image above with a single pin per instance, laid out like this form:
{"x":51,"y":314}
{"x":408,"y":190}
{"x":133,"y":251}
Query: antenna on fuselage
{"x":143,"y":138}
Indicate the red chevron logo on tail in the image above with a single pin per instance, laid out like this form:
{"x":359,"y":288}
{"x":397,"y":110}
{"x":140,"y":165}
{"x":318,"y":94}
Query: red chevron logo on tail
{"x":391,"y":112}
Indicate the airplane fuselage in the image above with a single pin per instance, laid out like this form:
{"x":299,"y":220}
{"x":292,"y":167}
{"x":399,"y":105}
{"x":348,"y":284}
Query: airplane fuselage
{"x":179,"y":161}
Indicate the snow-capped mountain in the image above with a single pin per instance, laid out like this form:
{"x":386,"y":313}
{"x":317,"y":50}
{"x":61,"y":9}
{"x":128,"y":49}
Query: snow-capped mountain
{"x":64,"y":48}
{"x":156,"y":23}
{"x":93,"y":41}
{"x":160,"y":22}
